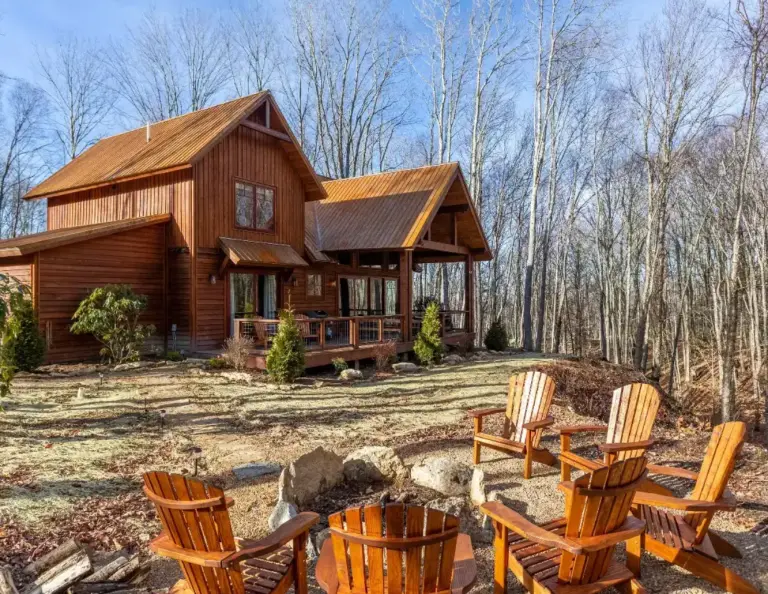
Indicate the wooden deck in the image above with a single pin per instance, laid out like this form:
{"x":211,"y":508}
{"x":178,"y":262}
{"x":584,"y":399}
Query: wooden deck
{"x":316,"y":358}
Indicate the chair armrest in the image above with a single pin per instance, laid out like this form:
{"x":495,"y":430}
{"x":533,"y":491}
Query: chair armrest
{"x":672,"y":471}
{"x":527,"y":529}
{"x":484,"y":412}
{"x":631,"y":528}
{"x":464,"y":565}
{"x":533,"y":425}
{"x":284,"y":534}
{"x":569,"y":429}
{"x":691,"y":505}
{"x":165,"y":547}
{"x":611,"y":448}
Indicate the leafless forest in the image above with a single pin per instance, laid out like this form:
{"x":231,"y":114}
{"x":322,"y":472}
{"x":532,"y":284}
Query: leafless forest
{"x":621,"y":179}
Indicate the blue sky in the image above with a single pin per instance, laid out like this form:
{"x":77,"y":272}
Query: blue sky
{"x":25,"y":24}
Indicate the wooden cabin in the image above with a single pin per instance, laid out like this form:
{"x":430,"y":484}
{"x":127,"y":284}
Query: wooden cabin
{"x":219,"y":218}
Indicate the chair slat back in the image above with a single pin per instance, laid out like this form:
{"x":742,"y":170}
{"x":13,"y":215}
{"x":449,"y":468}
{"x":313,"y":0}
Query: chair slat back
{"x":203,"y":530}
{"x":395,"y":554}
{"x":529,"y":399}
{"x":601,"y":510}
{"x":723,"y":449}
{"x":633,"y":412}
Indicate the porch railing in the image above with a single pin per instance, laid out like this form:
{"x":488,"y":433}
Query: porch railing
{"x":451,"y":322}
{"x":326,"y":333}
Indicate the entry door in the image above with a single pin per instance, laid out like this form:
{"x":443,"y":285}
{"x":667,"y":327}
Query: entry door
{"x":251,"y":295}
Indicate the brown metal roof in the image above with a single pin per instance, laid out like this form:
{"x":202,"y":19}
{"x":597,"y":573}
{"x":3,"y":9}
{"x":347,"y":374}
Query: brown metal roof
{"x":174,"y":144}
{"x":30,"y":244}
{"x":380,"y":211}
{"x":242,"y":252}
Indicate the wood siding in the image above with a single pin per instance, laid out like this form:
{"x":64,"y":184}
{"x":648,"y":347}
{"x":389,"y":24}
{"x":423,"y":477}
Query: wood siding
{"x":211,"y":321}
{"x":167,"y":193}
{"x":68,"y":274}
{"x":254,"y":157}
{"x":19,"y":268}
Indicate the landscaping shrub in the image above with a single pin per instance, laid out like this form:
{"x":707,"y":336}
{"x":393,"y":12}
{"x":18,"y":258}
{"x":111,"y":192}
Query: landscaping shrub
{"x":429,"y":347}
{"x":111,"y":313}
{"x":25,"y":345}
{"x":385,"y":355}
{"x":236,"y":351}
{"x":496,"y":337}
{"x":13,"y":297}
{"x":285,"y":360}
{"x":339,"y":364}
{"x":218,"y":363}
{"x":174,"y":356}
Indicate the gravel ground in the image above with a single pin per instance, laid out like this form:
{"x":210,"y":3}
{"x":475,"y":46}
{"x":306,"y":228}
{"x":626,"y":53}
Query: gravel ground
{"x":70,"y":463}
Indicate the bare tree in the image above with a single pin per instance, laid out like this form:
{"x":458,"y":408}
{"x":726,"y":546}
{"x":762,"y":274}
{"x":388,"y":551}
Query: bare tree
{"x":252,"y":48}
{"x":79,"y":97}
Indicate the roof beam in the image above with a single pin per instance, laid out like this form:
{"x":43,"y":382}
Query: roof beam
{"x":264,"y":130}
{"x":439,"y":246}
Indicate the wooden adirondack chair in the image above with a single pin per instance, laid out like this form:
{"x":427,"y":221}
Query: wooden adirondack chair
{"x":368,"y":546}
{"x":686,"y":540}
{"x":198,"y":534}
{"x":574,"y":555}
{"x":526,"y":417}
{"x":628,"y":434}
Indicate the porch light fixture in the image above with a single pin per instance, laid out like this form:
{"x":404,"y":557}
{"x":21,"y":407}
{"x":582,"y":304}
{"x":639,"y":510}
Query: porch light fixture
{"x":212,"y":279}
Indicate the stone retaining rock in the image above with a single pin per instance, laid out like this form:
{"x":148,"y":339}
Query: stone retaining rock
{"x":351,"y":375}
{"x":443,"y":475}
{"x":309,"y":475}
{"x":405,"y":367}
{"x":373,"y":464}
{"x":255,"y":470}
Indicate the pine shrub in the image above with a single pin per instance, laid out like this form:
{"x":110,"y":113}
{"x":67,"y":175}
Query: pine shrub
{"x":25,"y":345}
{"x":285,"y":360}
{"x":496,"y":337}
{"x":429,"y":346}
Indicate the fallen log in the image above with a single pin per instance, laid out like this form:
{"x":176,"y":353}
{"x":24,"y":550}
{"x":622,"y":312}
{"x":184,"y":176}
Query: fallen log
{"x":6,"y":581}
{"x":63,"y":575}
{"x":101,"y":574}
{"x":55,"y":557}
{"x":125,"y":571}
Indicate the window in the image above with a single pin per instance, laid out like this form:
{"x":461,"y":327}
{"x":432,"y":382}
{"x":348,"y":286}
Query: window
{"x":390,"y":297}
{"x":314,"y":285}
{"x":254,"y":206}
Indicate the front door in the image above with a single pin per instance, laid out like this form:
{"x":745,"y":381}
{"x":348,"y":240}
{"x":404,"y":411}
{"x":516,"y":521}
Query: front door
{"x":252,"y":295}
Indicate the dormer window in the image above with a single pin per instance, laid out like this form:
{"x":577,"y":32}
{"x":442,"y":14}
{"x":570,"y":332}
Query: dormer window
{"x":254,"y":206}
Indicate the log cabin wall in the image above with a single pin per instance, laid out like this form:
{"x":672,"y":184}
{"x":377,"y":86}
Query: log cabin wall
{"x":20,"y":268}
{"x":68,"y":274}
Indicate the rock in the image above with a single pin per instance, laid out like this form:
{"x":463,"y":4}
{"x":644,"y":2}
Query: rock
{"x":193,"y":361}
{"x":320,"y":539}
{"x":309,"y":475}
{"x":477,"y":487}
{"x":131,"y":365}
{"x":351,"y":375}
{"x":255,"y":470}
{"x":405,"y":367}
{"x":237,"y":376}
{"x":456,"y":506}
{"x":443,"y":475}
{"x":453,"y":359}
{"x":373,"y":464}
{"x":283,"y":512}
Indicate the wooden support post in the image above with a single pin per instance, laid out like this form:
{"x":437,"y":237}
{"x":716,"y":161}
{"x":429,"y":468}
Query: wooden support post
{"x":406,"y":293}
{"x":469,"y":292}
{"x":354,"y":338}
{"x":381,"y":329}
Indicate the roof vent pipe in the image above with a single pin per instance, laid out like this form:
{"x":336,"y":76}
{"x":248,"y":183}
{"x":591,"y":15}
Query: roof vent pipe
{"x":149,"y":134}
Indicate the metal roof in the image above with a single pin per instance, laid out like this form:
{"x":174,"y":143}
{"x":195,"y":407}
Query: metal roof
{"x":242,"y":252}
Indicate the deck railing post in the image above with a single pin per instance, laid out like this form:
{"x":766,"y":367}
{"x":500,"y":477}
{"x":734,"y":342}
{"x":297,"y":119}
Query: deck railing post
{"x":353,"y":332}
{"x":381,"y":329}
{"x":322,"y":335}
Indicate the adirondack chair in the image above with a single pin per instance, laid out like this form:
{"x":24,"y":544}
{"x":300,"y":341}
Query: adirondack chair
{"x":526,"y":417}
{"x":375,"y":550}
{"x":686,"y":540}
{"x":198,"y":534}
{"x":574,"y":554}
{"x":628,"y":434}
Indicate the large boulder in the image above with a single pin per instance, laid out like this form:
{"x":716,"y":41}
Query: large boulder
{"x":453,"y":359}
{"x":444,"y":475}
{"x":405,"y":367}
{"x":373,"y":464}
{"x":351,"y":375}
{"x":309,"y":475}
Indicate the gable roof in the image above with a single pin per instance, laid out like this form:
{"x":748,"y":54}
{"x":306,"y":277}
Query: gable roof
{"x":175,"y":143}
{"x":381,"y":211}
{"x":37,"y":242}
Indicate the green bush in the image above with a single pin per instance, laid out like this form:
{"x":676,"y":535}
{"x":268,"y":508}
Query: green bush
{"x":174,"y":356}
{"x":429,"y":347}
{"x":496,"y":337}
{"x":14,"y":296}
{"x":111,"y":313}
{"x":285,"y":360}
{"x":339,"y":364}
{"x":25,"y":345}
{"x":218,"y":363}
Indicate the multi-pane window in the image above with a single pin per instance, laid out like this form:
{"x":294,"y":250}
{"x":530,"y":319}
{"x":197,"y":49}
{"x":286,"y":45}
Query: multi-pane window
{"x":254,"y":206}
{"x":314,"y":285}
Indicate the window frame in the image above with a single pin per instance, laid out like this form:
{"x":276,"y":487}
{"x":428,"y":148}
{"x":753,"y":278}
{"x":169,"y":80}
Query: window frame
{"x":307,"y":285}
{"x":254,"y":185}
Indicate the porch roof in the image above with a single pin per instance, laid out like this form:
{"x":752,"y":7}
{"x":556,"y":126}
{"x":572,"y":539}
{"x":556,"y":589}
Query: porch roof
{"x":242,"y":252}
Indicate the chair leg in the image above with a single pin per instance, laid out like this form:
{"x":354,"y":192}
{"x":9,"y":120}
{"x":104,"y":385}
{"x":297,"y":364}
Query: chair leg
{"x":723,"y":547}
{"x":565,"y":446}
{"x":632,"y":587}
{"x":478,"y":429}
{"x":634,"y":553}
{"x":528,"y":464}
{"x":300,"y":563}
{"x":501,"y":558}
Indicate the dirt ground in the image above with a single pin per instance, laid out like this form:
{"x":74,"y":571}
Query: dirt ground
{"x":72,"y":450}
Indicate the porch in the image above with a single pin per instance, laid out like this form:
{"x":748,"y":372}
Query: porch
{"x":350,"y":338}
